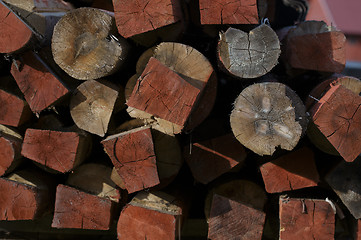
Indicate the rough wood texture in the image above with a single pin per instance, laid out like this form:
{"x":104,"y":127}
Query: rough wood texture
{"x":40,"y":88}
{"x":228,"y":12}
{"x":92,"y":105}
{"x":191,"y":66}
{"x":150,"y":216}
{"x":267,"y":115}
{"x":26,"y":195}
{"x":357,"y":235}
{"x":312,"y":45}
{"x":95,"y":179}
{"x":249,"y":55}
{"x":132,"y":154}
{"x":344,"y":180}
{"x":211,"y":158}
{"x":293,"y":171}
{"x":233,"y":220}
{"x":306,"y":219}
{"x":14,"y":110}
{"x":86,"y":45}
{"x":133,"y":18}
{"x":10,"y":150}
{"x":57,"y":150}
{"x":338,"y":117}
{"x":77,"y":209}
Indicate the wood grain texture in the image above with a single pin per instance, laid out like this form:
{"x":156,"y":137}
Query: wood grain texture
{"x":77,"y":209}
{"x":10,"y":150}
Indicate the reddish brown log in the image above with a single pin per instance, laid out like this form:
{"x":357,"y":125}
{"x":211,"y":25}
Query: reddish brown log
{"x":14,"y":111}
{"x":338,"y":117}
{"x":306,"y":219}
{"x":10,"y":148}
{"x":163,"y":93}
{"x":233,"y":220}
{"x":57,"y":150}
{"x":136,"y":17}
{"x":132,"y":154}
{"x":293,"y":171}
{"x":40,"y":88}
{"x":228,"y":12}
{"x":77,"y":209}
{"x":211,"y":158}
{"x":357,"y":234}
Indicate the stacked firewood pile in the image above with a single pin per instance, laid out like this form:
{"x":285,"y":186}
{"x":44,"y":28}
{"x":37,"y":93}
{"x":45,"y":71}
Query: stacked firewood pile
{"x":176,"y":119}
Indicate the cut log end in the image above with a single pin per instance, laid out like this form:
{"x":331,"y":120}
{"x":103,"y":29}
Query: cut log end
{"x":10,"y":157}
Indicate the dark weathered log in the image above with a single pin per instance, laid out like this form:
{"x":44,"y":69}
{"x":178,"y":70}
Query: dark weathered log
{"x":77,"y":209}
{"x":267,"y":115}
{"x":57,"y":150}
{"x":292,"y":171}
{"x":249,"y":55}
{"x":92,"y":105}
{"x":234,"y":220}
{"x":211,"y":158}
{"x":306,"y":219}
{"x":86,"y":45}
{"x":10,"y":149}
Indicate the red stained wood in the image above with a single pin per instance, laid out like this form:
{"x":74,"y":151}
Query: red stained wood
{"x":54,"y":149}
{"x":14,"y":111}
{"x":338,"y":117}
{"x":40,"y":88}
{"x":233,"y":220}
{"x":21,"y":201}
{"x":357,"y":235}
{"x":77,"y":209}
{"x":320,"y":52}
{"x":163,"y":93}
{"x":136,"y":17}
{"x":139,"y":223}
{"x":228,"y":12}
{"x":132,"y":154}
{"x":14,"y":34}
{"x":9,"y":153}
{"x":306,"y":219}
{"x":211,"y":158}
{"x":293,"y":171}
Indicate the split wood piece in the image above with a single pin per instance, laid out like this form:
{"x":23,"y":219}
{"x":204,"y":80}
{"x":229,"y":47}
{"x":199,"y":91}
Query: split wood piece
{"x":313,"y":133}
{"x":77,"y":209}
{"x":338,"y":118}
{"x":211,"y":158}
{"x":26,"y":195}
{"x":293,"y":171}
{"x":92,"y":105}
{"x":312,"y":45}
{"x":228,"y":12}
{"x":191,"y":66}
{"x":86,"y":44}
{"x":40,"y":88}
{"x":133,"y":18}
{"x":14,"y":110}
{"x":268,"y":115}
{"x":234,"y":220}
{"x":242,"y":191}
{"x":133,"y":156}
{"x":10,"y":150}
{"x":57,"y":150}
{"x":249,"y":55}
{"x":150,"y":216}
{"x":306,"y":219}
{"x":344,"y":180}
{"x":95,"y":179}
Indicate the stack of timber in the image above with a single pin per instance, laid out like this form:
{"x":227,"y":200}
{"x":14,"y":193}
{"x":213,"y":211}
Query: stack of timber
{"x":173,"y":119}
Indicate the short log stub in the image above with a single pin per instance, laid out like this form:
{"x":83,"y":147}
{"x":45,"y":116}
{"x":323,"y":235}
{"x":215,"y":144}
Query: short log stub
{"x":77,"y":209}
{"x":233,"y":220}
{"x":249,"y":55}
{"x":306,"y":219}
{"x":57,"y":150}
{"x":293,"y":171}
{"x":86,"y":45}
{"x":228,"y":12}
{"x":267,"y":115}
